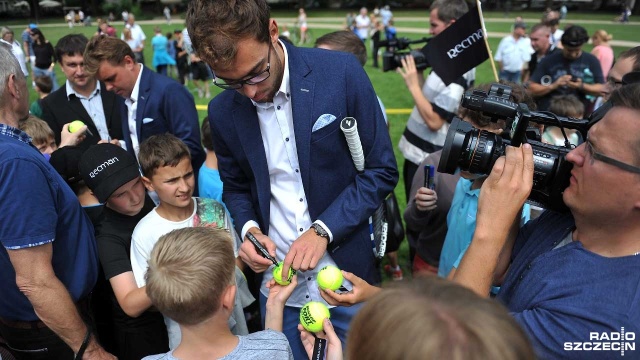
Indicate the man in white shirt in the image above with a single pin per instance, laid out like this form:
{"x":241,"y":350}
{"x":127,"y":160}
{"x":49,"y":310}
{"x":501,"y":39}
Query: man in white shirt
{"x":513,"y":52}
{"x":136,"y":34}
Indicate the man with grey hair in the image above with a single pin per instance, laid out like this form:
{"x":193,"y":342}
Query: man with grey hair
{"x":435,"y":103}
{"x":43,"y":285}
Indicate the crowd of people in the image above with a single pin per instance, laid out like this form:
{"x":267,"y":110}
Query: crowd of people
{"x":125,"y":233}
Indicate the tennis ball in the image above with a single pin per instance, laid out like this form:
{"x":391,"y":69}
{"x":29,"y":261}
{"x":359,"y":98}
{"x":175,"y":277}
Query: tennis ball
{"x":75,"y":126}
{"x":329,"y":277}
{"x":277,"y":275}
{"x":312,"y":315}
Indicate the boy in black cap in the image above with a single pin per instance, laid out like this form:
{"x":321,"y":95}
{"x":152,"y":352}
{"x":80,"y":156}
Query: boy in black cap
{"x":65,"y":160}
{"x":113,"y":176}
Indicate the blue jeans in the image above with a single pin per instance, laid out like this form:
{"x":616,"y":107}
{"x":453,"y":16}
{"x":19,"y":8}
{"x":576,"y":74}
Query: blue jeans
{"x":340,"y":318}
{"x":513,"y":76}
{"x":45,"y":72}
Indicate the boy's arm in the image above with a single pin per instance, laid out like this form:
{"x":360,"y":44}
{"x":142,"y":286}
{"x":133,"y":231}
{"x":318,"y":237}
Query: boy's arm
{"x":132,"y":299}
{"x":278,"y":296}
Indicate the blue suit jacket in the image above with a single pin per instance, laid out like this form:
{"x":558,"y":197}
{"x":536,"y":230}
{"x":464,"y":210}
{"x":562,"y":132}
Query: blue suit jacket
{"x":165,"y":106}
{"x":322,"y":82}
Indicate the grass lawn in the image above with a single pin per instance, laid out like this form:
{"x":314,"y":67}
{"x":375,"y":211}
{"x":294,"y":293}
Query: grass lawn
{"x":389,"y":86}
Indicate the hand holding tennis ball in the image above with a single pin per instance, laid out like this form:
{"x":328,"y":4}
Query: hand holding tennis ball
{"x":329,"y":277}
{"x":75,"y":126}
{"x":312,"y":316}
{"x":277,"y":275}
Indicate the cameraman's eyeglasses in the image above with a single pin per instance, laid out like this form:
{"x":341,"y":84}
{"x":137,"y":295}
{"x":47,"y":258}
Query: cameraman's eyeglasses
{"x":613,"y":83}
{"x":253,"y":80}
{"x":605,"y":159}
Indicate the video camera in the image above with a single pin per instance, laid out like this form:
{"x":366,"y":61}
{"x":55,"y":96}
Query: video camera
{"x":476,"y":151}
{"x":398,"y":48}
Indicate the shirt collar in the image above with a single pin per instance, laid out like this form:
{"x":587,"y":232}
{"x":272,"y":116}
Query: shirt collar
{"x":71,"y":91}
{"x":15,"y":133}
{"x":284,"y":85}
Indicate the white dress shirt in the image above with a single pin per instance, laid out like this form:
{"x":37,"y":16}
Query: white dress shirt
{"x":132,"y":108}
{"x":93,"y":105}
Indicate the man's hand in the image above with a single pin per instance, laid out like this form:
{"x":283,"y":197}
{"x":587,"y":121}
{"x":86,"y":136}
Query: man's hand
{"x":96,"y":352}
{"x":577,"y":84}
{"x":563,"y":80}
{"x":409,"y":72}
{"x":426,"y":199}
{"x":334,"y":346}
{"x":251,"y":257}
{"x":305,"y":252}
{"x":506,"y":189}
{"x":361,"y":291}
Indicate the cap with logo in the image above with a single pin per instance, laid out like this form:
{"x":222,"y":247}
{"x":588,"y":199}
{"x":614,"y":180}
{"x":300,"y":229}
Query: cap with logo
{"x":106,"y":167}
{"x":65,"y":160}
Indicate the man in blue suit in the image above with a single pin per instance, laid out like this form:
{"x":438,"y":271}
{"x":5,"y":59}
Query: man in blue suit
{"x":154,"y":104}
{"x":288,"y":175}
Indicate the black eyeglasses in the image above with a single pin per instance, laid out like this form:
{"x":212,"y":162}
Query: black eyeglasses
{"x":605,"y":159}
{"x":253,"y":80}
{"x":613,"y":83}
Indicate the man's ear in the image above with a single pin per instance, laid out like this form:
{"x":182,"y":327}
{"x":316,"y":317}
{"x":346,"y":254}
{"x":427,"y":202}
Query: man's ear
{"x":147,"y":183}
{"x":273,"y":30}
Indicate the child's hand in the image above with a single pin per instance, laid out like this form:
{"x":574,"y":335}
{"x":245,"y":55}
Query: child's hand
{"x":334,"y":346}
{"x":360,"y":292}
{"x":71,"y":139}
{"x":426,"y":199}
{"x":279,"y":294}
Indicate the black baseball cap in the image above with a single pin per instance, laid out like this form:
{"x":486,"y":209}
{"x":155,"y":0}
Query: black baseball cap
{"x":106,"y":167}
{"x":66,"y":160}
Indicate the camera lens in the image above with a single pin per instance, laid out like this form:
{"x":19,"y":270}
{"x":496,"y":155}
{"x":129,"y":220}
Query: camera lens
{"x":470,"y":149}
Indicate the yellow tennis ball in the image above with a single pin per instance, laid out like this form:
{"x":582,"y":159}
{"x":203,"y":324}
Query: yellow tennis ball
{"x":75,"y":126}
{"x":329,"y":277}
{"x":312,"y":315}
{"x":277,"y":275}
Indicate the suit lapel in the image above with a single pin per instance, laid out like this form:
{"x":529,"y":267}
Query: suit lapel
{"x":302,"y":94}
{"x":143,"y":97}
{"x":245,"y":119}
{"x":108,"y":102}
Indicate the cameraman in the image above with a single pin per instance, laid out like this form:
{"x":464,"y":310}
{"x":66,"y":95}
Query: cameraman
{"x":435,"y":103}
{"x":567,"y":276}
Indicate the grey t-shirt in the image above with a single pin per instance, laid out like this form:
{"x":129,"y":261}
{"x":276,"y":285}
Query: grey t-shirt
{"x":267,"y":344}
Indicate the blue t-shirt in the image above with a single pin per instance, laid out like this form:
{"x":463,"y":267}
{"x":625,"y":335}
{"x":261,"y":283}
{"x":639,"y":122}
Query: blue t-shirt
{"x":555,"y":65}
{"x":38,"y":207}
{"x":461,"y":223}
{"x":561,"y":295}
{"x":209,"y":183}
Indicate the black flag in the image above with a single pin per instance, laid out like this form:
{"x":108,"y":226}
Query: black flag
{"x":458,"y":49}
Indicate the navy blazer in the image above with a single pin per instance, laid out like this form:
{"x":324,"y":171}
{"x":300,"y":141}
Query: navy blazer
{"x":322,"y":82}
{"x":165,"y":106}
{"x":59,"y":109}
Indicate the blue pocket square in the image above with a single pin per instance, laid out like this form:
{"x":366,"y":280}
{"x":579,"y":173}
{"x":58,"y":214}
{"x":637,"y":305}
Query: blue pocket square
{"x":323,"y":120}
{"x":147,"y":120}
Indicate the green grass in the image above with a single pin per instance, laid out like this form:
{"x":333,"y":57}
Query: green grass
{"x":389,"y":86}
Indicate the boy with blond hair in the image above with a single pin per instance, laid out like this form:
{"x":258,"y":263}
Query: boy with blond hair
{"x":167,"y":170}
{"x":191,"y":280}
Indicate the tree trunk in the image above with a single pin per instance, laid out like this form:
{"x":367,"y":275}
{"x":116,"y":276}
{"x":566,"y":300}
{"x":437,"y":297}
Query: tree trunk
{"x":35,"y":10}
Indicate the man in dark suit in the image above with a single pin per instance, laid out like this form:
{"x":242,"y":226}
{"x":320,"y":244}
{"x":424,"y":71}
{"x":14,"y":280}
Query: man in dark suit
{"x":151,"y":103}
{"x":83,"y":98}
{"x":287,"y":171}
